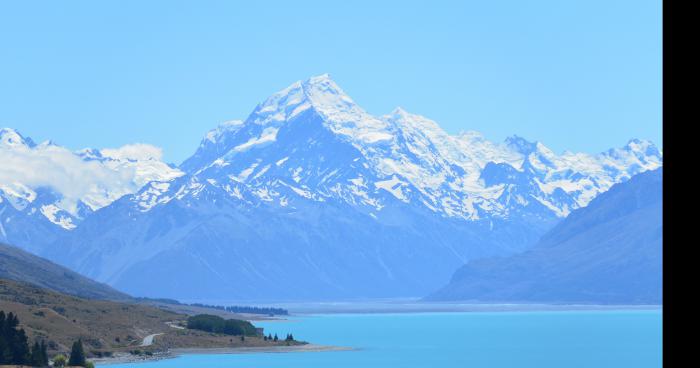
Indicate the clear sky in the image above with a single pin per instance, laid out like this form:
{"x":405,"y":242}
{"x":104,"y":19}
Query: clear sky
{"x":575,"y":75}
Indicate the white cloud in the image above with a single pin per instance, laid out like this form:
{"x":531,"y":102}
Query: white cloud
{"x":94,"y":182}
{"x":135,"y":151}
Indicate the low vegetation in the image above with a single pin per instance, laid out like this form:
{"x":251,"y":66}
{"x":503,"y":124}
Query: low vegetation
{"x":216,"y":324}
{"x":73,"y":330}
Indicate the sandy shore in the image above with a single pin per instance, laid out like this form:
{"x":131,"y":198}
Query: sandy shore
{"x":121,"y":358}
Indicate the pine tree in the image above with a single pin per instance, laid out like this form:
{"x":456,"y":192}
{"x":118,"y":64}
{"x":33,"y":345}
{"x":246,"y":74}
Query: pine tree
{"x":44,"y":354}
{"x":14,"y":348}
{"x":19,"y":346}
{"x":77,"y":354}
{"x":36,"y":355}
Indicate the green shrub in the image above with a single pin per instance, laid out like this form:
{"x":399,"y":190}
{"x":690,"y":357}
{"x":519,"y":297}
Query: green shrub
{"x":60,"y":360}
{"x":216,"y":324}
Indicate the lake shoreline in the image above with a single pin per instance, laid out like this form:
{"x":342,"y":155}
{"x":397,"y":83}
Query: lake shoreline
{"x":123,"y":358}
{"x":309,"y":309}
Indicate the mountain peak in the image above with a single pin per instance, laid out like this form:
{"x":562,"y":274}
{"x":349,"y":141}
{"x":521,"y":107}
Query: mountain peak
{"x":326,"y":96}
{"x":322,"y":95}
{"x":324,"y":78}
{"x":521,"y":144}
{"x":643,"y":146}
{"x":398,"y":111}
{"x":12,"y":138}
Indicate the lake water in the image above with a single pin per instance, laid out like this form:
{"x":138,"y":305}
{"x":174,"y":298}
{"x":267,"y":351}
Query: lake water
{"x":556,"y":339}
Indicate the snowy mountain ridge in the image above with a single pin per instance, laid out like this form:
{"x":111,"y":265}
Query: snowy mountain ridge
{"x":404,"y":155}
{"x":48,"y":182}
{"x":311,"y":196}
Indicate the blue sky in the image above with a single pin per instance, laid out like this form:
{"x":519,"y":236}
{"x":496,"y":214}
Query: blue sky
{"x":576,"y":75}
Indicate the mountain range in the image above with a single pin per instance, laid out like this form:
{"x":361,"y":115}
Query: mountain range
{"x":46,"y":189}
{"x":309,"y":197}
{"x":608,"y":252}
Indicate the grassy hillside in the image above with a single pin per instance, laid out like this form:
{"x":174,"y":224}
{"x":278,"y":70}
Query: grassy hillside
{"x":62,"y":319}
{"x":105,"y":326}
{"x":18,"y":265}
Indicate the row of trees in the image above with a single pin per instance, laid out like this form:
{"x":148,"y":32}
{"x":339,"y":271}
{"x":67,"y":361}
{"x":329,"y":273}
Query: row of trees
{"x":245,"y":309}
{"x":14,"y":347}
{"x":269,"y":337}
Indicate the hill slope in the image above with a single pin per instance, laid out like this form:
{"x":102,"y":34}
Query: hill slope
{"x":18,"y":265}
{"x":62,"y":319}
{"x":608,"y":252}
{"x":106,"y":326}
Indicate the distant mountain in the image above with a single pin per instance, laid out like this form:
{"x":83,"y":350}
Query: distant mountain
{"x":607,"y":252}
{"x":47,"y":190}
{"x":311,"y":197}
{"x":18,"y":265}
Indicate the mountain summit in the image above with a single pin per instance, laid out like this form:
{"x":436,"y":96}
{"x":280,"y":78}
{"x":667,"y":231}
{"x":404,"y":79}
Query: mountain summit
{"x":312,"y":197}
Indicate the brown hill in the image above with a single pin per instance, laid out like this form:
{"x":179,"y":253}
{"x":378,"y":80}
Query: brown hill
{"x":62,"y":319}
{"x":106,"y":327}
{"x":18,"y":265}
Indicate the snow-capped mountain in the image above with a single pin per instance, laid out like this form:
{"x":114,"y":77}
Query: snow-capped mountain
{"x":404,"y":155}
{"x":313,"y":197}
{"x":46,"y":189}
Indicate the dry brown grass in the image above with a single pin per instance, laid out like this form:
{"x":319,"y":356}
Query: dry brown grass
{"x":106,"y":326}
{"x":61,"y":319}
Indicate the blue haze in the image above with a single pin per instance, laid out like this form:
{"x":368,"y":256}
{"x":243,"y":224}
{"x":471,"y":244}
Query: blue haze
{"x":607,"y":252}
{"x":598,"y":339}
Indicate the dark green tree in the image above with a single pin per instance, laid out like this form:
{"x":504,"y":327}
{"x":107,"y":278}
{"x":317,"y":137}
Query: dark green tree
{"x":39,"y":356}
{"x":44,"y":354}
{"x":14,"y":348}
{"x":36,"y":354}
{"x":77,"y":354}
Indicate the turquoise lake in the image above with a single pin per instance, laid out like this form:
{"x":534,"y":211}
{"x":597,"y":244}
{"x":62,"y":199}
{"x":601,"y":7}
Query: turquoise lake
{"x":558,"y":339}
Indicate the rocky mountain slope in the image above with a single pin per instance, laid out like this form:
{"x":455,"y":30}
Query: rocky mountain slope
{"x":607,"y":252}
